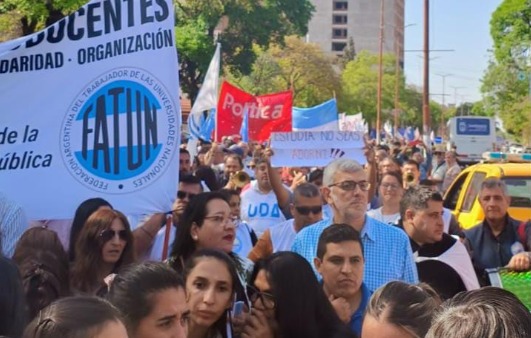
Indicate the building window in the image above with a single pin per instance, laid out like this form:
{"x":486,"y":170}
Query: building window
{"x":339,"y":33}
{"x":339,"y":19}
{"x":338,"y":46}
{"x":340,"y":5}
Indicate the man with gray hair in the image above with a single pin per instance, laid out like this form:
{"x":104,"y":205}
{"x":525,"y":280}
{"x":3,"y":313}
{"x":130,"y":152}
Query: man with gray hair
{"x":307,"y":208}
{"x":442,"y":261}
{"x":499,"y":240}
{"x":386,"y":249}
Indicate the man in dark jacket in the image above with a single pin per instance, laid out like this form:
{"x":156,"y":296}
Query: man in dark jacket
{"x":499,"y":240}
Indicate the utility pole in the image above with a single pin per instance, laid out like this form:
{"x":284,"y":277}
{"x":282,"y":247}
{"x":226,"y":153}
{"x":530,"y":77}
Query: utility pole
{"x":397,"y":76}
{"x":380,"y":76}
{"x":443,"y":76}
{"x":455,"y":97}
{"x":426,"y":90}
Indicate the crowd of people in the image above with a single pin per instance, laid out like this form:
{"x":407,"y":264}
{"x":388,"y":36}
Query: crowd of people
{"x":253,"y":251}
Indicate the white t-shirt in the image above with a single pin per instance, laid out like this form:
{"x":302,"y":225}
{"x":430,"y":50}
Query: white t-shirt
{"x":387,"y":219}
{"x":282,"y":236}
{"x":260,"y":210}
{"x":242,"y":243}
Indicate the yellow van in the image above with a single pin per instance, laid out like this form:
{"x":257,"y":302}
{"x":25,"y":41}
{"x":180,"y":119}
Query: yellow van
{"x":515,"y":169}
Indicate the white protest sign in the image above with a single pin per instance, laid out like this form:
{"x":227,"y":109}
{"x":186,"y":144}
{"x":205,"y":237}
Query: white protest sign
{"x":90,"y":108}
{"x":351,"y":122}
{"x":315,"y":149}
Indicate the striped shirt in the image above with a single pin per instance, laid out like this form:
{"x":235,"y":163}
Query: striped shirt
{"x":13,"y":223}
{"x":387,"y":252}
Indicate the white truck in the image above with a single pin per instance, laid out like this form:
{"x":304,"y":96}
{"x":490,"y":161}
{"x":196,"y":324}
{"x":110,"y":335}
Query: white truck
{"x":471,"y":136}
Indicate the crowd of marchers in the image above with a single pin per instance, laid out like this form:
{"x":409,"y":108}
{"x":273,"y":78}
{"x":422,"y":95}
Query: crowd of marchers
{"x":253,"y":251}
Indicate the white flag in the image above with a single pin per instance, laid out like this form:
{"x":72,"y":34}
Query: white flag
{"x":207,"y":98}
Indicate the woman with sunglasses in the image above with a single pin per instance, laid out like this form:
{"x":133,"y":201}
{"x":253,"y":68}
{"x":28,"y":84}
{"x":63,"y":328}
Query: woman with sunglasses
{"x":390,"y":191}
{"x":105,"y":244}
{"x":211,"y":279}
{"x":289,"y":302}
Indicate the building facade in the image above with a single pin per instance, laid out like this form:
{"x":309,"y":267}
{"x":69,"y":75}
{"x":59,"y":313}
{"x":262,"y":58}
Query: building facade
{"x":334,"y":22}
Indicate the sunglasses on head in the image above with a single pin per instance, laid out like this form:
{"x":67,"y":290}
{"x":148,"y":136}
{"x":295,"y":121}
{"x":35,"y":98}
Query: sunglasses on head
{"x":107,"y":235}
{"x":306,"y":210}
{"x":183,"y":194}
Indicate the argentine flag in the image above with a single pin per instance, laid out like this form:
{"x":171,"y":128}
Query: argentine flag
{"x":323,"y":117}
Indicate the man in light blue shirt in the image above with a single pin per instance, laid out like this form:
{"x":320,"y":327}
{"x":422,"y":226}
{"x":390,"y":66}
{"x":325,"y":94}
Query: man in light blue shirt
{"x":387,"y":252}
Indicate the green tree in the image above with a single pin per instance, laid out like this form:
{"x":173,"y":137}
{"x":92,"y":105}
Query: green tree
{"x":505,"y":84}
{"x":33,"y":15}
{"x":238,"y":25}
{"x":296,"y":65}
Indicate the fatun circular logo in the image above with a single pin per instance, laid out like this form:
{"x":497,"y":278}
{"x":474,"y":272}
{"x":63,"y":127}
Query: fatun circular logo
{"x":119,"y":133}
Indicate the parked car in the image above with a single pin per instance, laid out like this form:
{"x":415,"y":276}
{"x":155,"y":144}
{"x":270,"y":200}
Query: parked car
{"x":516,"y":148}
{"x":515,"y":170}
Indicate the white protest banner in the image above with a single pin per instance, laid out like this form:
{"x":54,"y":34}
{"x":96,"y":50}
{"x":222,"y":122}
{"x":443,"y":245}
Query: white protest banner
{"x":315,"y":148}
{"x":90,"y":108}
{"x":351,"y":122}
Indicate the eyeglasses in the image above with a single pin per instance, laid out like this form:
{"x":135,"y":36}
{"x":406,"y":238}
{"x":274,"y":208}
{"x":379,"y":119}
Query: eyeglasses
{"x":389,"y":186}
{"x":107,"y":235}
{"x":306,"y":210}
{"x":220,"y":219}
{"x":268,"y":300}
{"x":351,"y":185}
{"x":183,"y":194}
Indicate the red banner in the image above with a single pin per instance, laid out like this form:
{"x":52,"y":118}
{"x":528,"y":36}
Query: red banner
{"x":273,"y":114}
{"x":267,"y":113}
{"x":232,"y":104}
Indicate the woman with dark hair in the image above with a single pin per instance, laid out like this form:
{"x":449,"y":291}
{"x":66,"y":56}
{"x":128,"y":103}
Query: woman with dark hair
{"x":207,"y":224}
{"x":151,"y":296}
{"x":211,"y":279}
{"x":43,"y":265}
{"x":400,"y":310}
{"x":105,"y":244}
{"x":12,"y":304}
{"x":77,"y":317}
{"x":390,"y":191}
{"x":289,"y":302}
{"x":83,"y":212}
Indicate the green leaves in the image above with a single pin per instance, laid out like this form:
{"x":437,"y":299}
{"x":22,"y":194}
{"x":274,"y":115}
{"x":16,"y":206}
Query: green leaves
{"x":238,"y":25}
{"x":505,"y":84}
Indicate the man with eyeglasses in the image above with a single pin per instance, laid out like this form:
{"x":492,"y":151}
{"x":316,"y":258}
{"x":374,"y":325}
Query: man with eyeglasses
{"x":386,"y":249}
{"x":150,"y":236}
{"x":306,"y":209}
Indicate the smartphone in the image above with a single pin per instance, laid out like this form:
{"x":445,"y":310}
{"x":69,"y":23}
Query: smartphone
{"x":237,"y":308}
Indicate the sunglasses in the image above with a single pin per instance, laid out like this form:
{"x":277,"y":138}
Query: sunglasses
{"x":183,"y":194}
{"x":306,"y":210}
{"x":268,"y":300}
{"x":107,"y":235}
{"x":351,"y":185}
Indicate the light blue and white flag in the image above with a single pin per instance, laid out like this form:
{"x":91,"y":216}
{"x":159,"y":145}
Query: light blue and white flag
{"x":244,"y":129}
{"x":206,"y":100}
{"x":208,"y":125}
{"x":323,"y":117}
